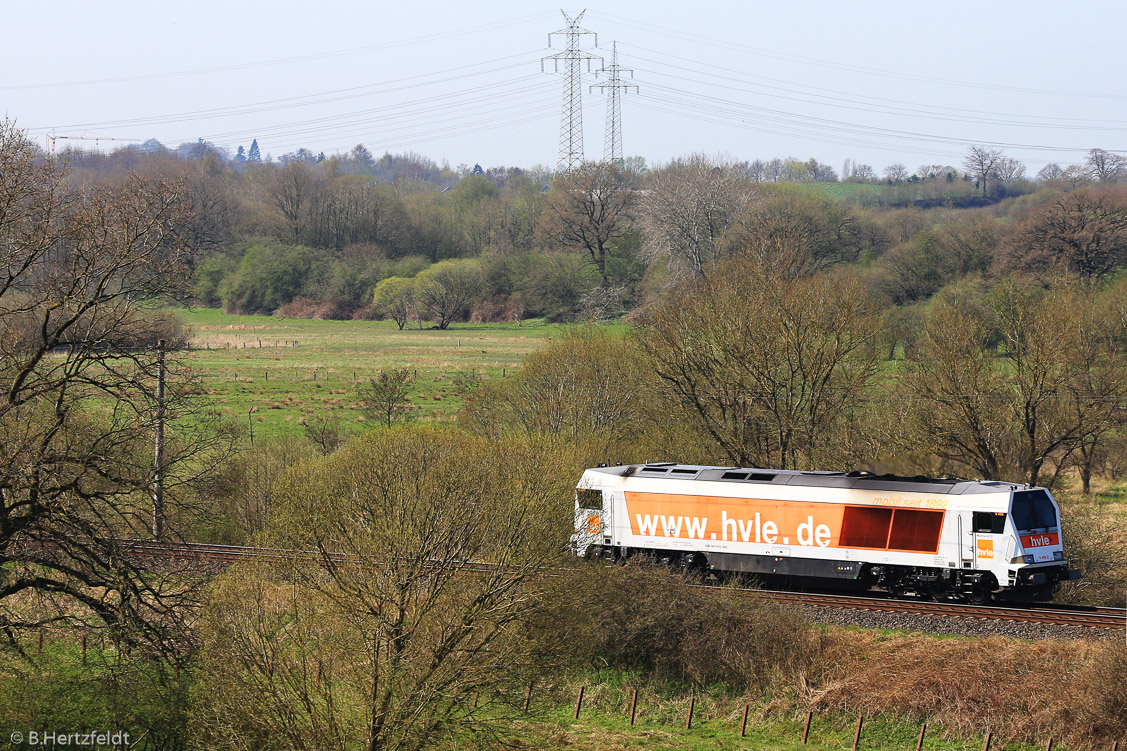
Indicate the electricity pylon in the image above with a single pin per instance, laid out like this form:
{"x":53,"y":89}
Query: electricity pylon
{"x":571,"y":117}
{"x":614,"y":87}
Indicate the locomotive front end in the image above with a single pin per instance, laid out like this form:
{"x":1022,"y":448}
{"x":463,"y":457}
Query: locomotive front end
{"x":1037,"y":565}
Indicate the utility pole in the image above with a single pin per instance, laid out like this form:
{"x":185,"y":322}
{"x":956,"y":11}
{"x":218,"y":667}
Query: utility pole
{"x":614,"y":87}
{"x":571,"y":116}
{"x":158,"y":459}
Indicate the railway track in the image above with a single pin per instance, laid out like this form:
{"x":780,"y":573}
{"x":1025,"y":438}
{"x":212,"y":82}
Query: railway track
{"x":1058,"y":615}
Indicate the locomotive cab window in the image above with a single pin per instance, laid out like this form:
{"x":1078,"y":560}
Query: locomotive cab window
{"x":1033,"y":509}
{"x":986,"y":522}
{"x":590,"y":499}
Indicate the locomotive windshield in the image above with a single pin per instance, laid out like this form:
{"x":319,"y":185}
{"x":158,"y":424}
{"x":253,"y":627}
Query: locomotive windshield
{"x":1033,"y":509}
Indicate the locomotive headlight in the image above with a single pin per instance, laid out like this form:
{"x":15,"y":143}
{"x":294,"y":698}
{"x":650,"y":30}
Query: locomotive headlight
{"x":1058,"y":555}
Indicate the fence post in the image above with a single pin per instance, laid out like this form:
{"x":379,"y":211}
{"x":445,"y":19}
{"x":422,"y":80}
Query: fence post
{"x":920,"y":740}
{"x":689,"y":718}
{"x":528,"y":697}
{"x":986,"y":743}
{"x":39,"y":643}
{"x":84,"y":649}
{"x":806,"y":729}
{"x":857,"y":735}
{"x":579,"y":702}
{"x":267,"y":376}
{"x":743,"y":722}
{"x":1049,"y":745}
{"x":633,"y":705}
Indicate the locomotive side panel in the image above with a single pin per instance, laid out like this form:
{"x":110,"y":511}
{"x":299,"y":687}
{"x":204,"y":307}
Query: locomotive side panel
{"x":948,"y":539}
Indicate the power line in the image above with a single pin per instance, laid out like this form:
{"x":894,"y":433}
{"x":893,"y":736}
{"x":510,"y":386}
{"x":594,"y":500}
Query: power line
{"x":281,"y":61}
{"x":335,"y":95}
{"x":835,"y":65}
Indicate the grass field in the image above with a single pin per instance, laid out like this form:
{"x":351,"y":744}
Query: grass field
{"x":660,"y":725}
{"x":274,"y":374}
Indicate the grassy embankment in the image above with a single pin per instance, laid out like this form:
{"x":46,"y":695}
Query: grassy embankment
{"x":250,"y":374}
{"x":145,"y":698}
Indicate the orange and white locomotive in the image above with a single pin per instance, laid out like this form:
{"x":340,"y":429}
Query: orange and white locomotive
{"x":931,"y":537}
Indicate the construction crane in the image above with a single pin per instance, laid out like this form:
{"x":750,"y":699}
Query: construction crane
{"x":51,"y":138}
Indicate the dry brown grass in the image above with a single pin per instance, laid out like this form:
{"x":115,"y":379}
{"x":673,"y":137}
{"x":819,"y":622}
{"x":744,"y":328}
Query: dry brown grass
{"x":1022,"y":691}
{"x":649,"y":623}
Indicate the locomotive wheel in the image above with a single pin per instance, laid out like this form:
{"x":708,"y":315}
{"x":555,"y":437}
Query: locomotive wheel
{"x":980,"y":594}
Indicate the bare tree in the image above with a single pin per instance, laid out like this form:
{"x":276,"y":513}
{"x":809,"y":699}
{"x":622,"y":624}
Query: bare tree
{"x":862,"y":173}
{"x":686,"y":208}
{"x":588,"y":209}
{"x":961,"y":414}
{"x":1084,"y":231}
{"x":398,"y":601}
{"x":81,"y":271}
{"x":896,"y":172}
{"x":294,"y":191}
{"x":387,"y":397}
{"x":1008,"y":171}
{"x":1105,"y":166}
{"x":1022,"y":416}
{"x":1051,"y":172}
{"x":771,"y":366}
{"x":981,"y":161}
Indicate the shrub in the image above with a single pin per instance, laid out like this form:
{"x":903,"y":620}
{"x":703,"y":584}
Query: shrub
{"x":641,"y":617}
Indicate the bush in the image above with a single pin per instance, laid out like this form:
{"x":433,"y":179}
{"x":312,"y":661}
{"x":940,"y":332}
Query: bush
{"x":272,"y":274}
{"x":649,"y":618}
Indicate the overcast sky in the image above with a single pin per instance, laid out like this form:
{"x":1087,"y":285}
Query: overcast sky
{"x":461,"y":82}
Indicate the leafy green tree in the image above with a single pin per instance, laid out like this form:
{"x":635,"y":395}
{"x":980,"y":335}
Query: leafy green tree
{"x":445,"y":291}
{"x":272,"y":274}
{"x":209,"y":279}
{"x":395,"y":298}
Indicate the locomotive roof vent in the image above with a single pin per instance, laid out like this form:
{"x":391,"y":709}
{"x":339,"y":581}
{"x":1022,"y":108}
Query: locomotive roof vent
{"x":750,"y":476}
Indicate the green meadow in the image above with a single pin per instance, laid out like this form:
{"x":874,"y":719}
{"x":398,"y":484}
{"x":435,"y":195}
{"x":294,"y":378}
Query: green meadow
{"x":275,"y":374}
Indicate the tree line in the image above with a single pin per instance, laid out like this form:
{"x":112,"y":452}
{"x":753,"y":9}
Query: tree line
{"x":313,"y":236}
